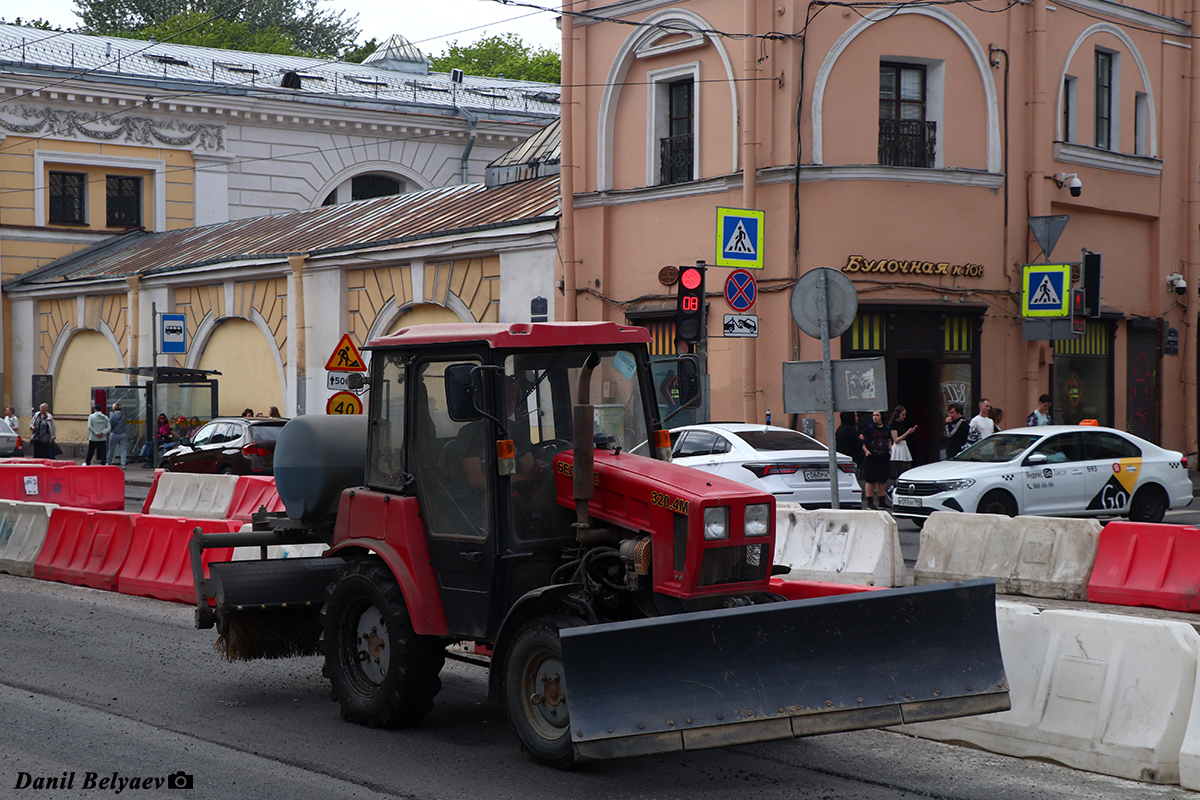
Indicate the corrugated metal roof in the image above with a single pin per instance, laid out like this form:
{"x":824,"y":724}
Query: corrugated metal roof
{"x":540,"y":154}
{"x":131,"y":61}
{"x":348,"y":226}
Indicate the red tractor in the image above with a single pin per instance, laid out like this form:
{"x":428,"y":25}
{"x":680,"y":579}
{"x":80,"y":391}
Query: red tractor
{"x":509,"y":500}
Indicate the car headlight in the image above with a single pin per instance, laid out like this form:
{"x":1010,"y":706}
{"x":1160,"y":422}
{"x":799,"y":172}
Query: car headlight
{"x":758,"y":519}
{"x":956,"y":486}
{"x":716,"y":523}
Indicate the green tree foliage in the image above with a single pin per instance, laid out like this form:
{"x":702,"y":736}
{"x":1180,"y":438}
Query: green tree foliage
{"x":39,"y":23}
{"x":310,"y":29}
{"x":198,"y":29}
{"x":358,"y":53}
{"x":501,"y":56}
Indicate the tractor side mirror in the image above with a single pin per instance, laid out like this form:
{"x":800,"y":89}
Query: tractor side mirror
{"x":464,"y":391}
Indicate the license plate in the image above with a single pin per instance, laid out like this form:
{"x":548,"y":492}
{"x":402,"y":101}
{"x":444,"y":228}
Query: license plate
{"x":908,"y":502}
{"x":816,"y":475}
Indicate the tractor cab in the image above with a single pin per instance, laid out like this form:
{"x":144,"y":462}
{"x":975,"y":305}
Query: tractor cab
{"x":473,"y":428}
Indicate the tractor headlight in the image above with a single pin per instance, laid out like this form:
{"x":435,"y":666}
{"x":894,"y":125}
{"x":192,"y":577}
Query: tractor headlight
{"x":758,"y":519}
{"x":716,"y":523}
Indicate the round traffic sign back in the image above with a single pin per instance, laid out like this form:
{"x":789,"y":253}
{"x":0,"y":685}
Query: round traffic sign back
{"x":840,"y":304}
{"x":741,"y":290}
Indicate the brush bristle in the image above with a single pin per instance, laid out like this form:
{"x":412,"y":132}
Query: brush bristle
{"x":270,"y":634}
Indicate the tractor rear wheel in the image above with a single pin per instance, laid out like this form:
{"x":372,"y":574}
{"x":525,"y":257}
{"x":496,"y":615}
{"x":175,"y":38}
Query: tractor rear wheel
{"x":381,"y":672}
{"x":535,"y":690}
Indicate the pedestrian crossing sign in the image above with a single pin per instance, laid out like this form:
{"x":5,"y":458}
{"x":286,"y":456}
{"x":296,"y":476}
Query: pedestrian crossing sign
{"x":1046,"y":290}
{"x":740,"y":238}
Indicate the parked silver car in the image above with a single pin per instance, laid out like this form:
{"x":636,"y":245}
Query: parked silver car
{"x":10,"y":441}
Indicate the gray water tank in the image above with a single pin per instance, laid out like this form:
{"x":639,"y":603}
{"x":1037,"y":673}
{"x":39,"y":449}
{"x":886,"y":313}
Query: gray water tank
{"x":316,"y":458}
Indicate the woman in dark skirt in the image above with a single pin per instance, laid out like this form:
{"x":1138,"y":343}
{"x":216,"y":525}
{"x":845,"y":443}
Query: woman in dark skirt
{"x":877,"y":462}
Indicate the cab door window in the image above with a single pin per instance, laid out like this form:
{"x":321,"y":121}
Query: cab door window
{"x":1056,"y":485}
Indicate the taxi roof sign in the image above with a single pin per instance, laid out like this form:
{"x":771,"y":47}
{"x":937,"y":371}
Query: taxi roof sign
{"x":345,"y":357}
{"x":1046,"y":290}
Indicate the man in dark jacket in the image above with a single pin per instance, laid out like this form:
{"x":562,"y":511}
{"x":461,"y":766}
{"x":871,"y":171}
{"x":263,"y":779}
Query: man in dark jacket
{"x":956,"y":430}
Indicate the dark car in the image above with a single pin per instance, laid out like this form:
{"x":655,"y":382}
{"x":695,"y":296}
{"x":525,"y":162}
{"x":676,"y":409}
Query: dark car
{"x":228,"y":446}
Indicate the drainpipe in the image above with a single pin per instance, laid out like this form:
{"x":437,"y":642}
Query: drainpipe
{"x":1192,"y":268}
{"x":297,"y":265}
{"x":1036,"y":178}
{"x":134,"y":296}
{"x":474,"y":122}
{"x":749,"y":187}
{"x":566,"y":175}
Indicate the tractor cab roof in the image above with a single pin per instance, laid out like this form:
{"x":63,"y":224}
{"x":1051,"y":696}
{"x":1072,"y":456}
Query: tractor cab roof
{"x":537,"y":335}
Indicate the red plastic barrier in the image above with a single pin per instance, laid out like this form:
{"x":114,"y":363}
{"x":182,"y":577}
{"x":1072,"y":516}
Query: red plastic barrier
{"x":251,"y":492}
{"x":159,"y":563}
{"x":1140,"y":564}
{"x":85,"y":548}
{"x":153,"y":489}
{"x":64,"y":483}
{"x":805,"y":590}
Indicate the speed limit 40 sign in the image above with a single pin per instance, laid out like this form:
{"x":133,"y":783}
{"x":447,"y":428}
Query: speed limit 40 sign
{"x":344,"y":403}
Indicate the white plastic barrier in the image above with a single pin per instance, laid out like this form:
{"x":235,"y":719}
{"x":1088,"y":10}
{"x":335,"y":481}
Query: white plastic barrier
{"x":193,"y":496}
{"x":1098,"y":692}
{"x":857,"y":547}
{"x":1035,"y":556}
{"x":254,"y":553}
{"x":23,"y":529}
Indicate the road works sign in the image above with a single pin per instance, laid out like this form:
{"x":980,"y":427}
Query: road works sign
{"x":345,"y":357}
{"x":1046,"y":290}
{"x":740,"y":238}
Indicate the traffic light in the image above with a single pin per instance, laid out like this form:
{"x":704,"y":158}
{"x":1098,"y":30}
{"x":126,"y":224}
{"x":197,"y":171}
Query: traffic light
{"x":1078,"y":312}
{"x":689,"y":313}
{"x":1091,"y":283}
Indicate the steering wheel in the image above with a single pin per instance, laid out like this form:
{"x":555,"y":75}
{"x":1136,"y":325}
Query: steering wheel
{"x":546,"y":450}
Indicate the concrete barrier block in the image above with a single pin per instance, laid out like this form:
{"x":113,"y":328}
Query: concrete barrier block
{"x":1098,"y":692}
{"x":23,"y":529}
{"x":834,"y":546}
{"x":195,"y":496}
{"x":1034,"y":556}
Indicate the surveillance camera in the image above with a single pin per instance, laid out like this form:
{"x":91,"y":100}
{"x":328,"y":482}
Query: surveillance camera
{"x":1180,"y":286}
{"x":1075,"y":186}
{"x":1177,"y":282}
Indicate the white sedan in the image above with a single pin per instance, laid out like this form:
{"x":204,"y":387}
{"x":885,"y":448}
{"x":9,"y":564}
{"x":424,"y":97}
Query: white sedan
{"x":786,"y":463}
{"x":1055,"y":470}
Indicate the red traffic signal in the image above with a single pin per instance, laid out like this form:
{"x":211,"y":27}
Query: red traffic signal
{"x":689,"y":311}
{"x":1078,"y":311}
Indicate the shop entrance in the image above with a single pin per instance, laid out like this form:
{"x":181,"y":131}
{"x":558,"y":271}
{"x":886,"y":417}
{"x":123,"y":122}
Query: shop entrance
{"x":915,"y":388}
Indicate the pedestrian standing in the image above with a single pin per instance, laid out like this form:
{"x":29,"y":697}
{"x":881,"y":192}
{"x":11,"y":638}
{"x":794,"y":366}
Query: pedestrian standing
{"x":901,"y":429}
{"x":956,"y":430}
{"x":1041,"y":414}
{"x":10,"y":416}
{"x":118,"y":437}
{"x":98,"y":428}
{"x":42,"y":433}
{"x":876,"y":447}
{"x":998,"y":418}
{"x":981,"y":425}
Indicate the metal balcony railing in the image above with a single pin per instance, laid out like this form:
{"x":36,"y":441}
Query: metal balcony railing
{"x":907,"y":143}
{"x":675,"y":159}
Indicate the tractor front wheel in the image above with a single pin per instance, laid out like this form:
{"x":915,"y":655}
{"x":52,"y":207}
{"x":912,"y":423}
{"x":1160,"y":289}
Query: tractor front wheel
{"x":381,"y":672}
{"x":535,"y":690}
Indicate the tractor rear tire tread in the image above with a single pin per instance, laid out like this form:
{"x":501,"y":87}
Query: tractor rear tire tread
{"x":411,"y":681}
{"x":537,"y":642}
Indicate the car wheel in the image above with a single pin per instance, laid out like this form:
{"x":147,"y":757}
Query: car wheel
{"x":1149,"y":505}
{"x":997,"y":501}
{"x":225,"y":470}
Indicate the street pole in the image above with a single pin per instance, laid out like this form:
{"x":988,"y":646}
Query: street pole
{"x":153,"y":417}
{"x":827,"y":371}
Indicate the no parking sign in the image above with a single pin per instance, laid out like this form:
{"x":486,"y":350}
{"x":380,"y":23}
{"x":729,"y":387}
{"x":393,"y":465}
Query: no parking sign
{"x":741,"y":291}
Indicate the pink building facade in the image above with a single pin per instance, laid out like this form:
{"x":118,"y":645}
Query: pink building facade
{"x":905,"y":146}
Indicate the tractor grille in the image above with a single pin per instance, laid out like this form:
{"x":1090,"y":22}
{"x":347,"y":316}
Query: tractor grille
{"x":737,"y":564}
{"x":681,"y":539}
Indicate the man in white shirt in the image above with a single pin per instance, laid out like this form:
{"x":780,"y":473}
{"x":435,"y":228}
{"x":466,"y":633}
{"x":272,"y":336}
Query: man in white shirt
{"x":98,"y":428}
{"x":982,"y":425}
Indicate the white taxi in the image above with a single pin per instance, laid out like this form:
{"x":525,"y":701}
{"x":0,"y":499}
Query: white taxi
{"x":1054,"y":470}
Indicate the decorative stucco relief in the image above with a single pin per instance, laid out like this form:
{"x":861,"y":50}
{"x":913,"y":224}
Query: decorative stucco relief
{"x":69,"y":124}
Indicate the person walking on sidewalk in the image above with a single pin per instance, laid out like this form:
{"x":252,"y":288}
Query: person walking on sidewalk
{"x":877,"y":448}
{"x":98,"y":428}
{"x":118,"y":438}
{"x":42,"y":433}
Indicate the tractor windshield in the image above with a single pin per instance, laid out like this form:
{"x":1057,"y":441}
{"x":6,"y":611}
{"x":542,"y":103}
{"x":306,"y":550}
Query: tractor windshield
{"x":548,"y":384}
